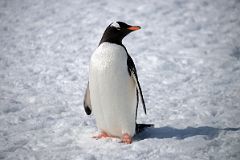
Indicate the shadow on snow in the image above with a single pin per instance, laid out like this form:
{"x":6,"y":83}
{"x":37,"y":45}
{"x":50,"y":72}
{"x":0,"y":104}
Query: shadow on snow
{"x":169,"y":132}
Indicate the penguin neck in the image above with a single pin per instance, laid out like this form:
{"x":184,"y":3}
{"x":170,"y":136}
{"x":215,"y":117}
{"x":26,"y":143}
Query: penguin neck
{"x":112,"y":39}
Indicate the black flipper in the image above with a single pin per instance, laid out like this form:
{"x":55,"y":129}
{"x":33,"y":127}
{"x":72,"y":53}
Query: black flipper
{"x":133,"y":72}
{"x":136,"y":105}
{"x":87,"y":101}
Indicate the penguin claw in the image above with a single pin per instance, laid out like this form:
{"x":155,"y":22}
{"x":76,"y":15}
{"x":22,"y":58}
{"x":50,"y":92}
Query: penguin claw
{"x":126,"y":138}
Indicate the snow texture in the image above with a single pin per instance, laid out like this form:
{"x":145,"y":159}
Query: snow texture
{"x":188,"y":59}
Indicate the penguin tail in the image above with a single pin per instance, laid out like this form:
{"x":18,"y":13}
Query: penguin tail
{"x":142,"y":127}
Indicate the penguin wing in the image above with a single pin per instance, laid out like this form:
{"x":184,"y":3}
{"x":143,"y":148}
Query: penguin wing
{"x":87,"y":101}
{"x":133,"y":73}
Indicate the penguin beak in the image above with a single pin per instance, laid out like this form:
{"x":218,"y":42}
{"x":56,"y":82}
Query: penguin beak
{"x":134,"y":28}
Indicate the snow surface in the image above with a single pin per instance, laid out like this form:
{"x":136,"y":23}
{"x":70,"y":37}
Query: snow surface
{"x":188,"y":59}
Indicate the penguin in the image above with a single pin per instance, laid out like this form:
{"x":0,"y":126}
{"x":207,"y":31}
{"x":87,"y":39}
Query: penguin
{"x":113,"y":89}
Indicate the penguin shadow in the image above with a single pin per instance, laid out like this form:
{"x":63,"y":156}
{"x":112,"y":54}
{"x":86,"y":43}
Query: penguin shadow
{"x":170,"y":132}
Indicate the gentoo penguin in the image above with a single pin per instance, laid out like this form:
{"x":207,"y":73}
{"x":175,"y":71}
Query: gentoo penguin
{"x":113,"y":89}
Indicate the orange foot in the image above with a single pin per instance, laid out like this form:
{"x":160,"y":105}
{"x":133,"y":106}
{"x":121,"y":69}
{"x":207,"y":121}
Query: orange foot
{"x":101,"y":135}
{"x":126,"y":138}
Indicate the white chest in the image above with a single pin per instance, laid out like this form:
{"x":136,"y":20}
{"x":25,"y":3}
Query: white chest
{"x":112,"y":91}
{"x":110,"y":57}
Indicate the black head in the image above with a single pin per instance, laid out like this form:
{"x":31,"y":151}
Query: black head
{"x":116,"y":31}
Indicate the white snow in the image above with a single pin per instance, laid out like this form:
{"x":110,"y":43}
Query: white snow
{"x":188,"y":59}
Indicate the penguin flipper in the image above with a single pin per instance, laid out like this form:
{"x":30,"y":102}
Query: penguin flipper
{"x":87,"y":101}
{"x":133,"y":73}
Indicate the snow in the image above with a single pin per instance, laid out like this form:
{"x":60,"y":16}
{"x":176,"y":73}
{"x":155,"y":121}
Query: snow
{"x":187,"y":57}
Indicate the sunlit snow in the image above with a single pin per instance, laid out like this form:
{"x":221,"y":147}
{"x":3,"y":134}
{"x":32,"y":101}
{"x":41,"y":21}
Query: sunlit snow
{"x":188,"y":59}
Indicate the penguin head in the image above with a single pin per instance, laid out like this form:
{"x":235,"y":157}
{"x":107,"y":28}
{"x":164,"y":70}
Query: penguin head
{"x":116,"y":31}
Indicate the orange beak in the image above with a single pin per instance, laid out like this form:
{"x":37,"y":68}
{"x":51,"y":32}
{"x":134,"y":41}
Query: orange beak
{"x":134,"y":28}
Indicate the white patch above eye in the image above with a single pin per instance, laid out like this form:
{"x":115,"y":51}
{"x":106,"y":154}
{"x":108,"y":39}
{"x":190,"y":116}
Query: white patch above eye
{"x":116,"y":25}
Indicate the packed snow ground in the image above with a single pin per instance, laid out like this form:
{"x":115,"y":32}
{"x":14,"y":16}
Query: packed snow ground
{"x":188,"y":60}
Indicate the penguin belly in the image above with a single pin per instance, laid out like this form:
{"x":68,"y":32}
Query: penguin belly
{"x":112,"y":90}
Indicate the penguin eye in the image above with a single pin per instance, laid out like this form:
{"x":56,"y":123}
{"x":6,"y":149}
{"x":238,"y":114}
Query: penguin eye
{"x":115,"y":25}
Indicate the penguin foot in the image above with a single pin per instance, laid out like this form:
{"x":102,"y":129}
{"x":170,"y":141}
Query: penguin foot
{"x":104,"y":135}
{"x":101,"y":135}
{"x":126,"y":138}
